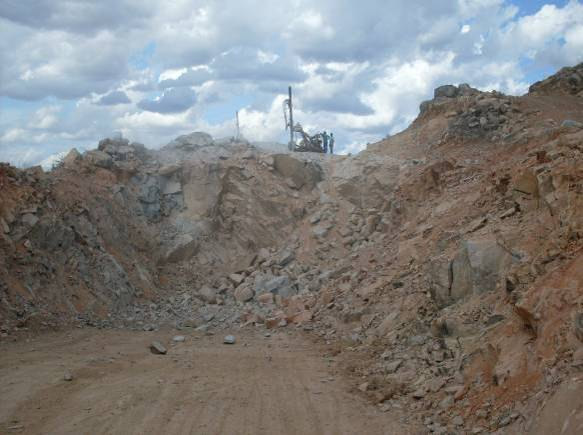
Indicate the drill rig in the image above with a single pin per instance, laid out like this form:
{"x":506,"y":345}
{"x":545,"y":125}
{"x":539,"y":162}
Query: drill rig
{"x":307,"y":143}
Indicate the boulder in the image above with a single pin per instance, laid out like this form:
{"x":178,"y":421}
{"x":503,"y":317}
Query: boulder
{"x":477,"y":268}
{"x":208,"y":295}
{"x":441,"y":277}
{"x":569,"y":123}
{"x":98,"y":158}
{"x":236,"y":278}
{"x":157,"y":348}
{"x":286,"y":257}
{"x":526,"y":182}
{"x":302,"y":173}
{"x":229,"y":339}
{"x":578,"y":326}
{"x":184,"y":247}
{"x":244,"y":293}
{"x":263,"y":255}
{"x":192,"y":141}
{"x":72,"y":158}
{"x":271,"y":285}
{"x":447,"y":91}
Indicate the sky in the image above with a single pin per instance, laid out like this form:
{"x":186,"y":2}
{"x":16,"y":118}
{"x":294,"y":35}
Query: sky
{"x":75,"y":71}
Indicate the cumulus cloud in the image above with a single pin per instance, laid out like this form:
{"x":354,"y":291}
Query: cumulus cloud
{"x":113,"y":98}
{"x":74,"y":71}
{"x":173,"y":100}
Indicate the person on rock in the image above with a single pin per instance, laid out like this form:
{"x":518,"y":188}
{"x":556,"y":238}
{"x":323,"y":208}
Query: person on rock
{"x":331,"y":143}
{"x":325,"y":141}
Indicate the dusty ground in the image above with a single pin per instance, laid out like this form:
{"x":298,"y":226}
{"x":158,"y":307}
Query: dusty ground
{"x":280,"y":384}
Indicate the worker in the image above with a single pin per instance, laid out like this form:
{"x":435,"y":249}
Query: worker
{"x":331,"y":143}
{"x":325,"y":141}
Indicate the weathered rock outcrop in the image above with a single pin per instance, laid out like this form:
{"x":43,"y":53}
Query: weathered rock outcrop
{"x":568,"y":81}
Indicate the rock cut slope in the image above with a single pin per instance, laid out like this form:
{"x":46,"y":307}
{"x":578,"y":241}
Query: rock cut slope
{"x":443,"y":265}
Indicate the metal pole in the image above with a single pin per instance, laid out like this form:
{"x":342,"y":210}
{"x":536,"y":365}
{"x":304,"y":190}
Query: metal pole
{"x":237,"y":117}
{"x":291,"y":118}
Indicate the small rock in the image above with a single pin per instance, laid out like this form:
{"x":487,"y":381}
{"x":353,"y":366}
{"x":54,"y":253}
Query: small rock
{"x":508,"y":213}
{"x":446,"y":403}
{"x":419,"y":394}
{"x":570,"y":123}
{"x":435,"y":385}
{"x":244,"y":294}
{"x":505,"y":421}
{"x":236,"y":278}
{"x":229,"y":339}
{"x":68,"y":376}
{"x":178,"y":338}
{"x":458,"y":420}
{"x":265,"y":298}
{"x":208,"y":295}
{"x":157,"y":348}
{"x":393,"y":366}
{"x":286,"y":257}
{"x":364,"y":386}
{"x":578,"y":326}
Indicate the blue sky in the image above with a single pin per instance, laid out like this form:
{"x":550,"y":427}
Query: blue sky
{"x":75,"y":71}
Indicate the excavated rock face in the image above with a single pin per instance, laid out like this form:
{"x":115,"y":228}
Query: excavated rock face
{"x":446,"y":260}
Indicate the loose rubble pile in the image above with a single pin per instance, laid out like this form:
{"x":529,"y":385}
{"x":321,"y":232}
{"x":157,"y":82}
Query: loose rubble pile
{"x":443,"y":266}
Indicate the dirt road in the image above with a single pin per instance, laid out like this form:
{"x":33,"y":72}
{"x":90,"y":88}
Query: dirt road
{"x":280,"y":384}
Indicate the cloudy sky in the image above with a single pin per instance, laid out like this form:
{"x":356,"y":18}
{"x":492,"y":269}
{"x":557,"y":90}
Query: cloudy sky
{"x":75,"y":71}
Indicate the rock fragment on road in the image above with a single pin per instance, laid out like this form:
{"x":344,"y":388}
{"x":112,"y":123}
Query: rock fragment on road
{"x":157,"y":348}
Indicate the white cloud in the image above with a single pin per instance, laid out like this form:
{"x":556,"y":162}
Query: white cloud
{"x":45,"y":117}
{"x":157,"y":69}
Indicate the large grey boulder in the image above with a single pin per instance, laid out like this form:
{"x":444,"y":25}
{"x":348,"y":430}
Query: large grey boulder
{"x":278,"y":285}
{"x":441,"y":277}
{"x":184,"y":247}
{"x":207,"y":294}
{"x":98,"y":158}
{"x":302,"y":173}
{"x":192,"y":141}
{"x":477,"y":268}
{"x":447,"y":91}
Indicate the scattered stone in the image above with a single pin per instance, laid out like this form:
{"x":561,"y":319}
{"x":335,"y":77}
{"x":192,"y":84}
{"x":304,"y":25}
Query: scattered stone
{"x":236,"y":278}
{"x":446,"y":403}
{"x":98,"y":158}
{"x":509,"y":213}
{"x":458,"y":420}
{"x":286,"y":257}
{"x":569,"y":123}
{"x":208,"y":294}
{"x":178,"y":338}
{"x":157,"y":348}
{"x":419,"y":393}
{"x":244,"y":293}
{"x":265,"y":298}
{"x":68,"y":376}
{"x":578,"y":326}
{"x":393,"y":366}
{"x":72,"y":158}
{"x":435,"y":385}
{"x":229,"y":339}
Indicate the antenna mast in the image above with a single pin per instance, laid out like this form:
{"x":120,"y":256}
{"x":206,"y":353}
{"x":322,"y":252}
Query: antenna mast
{"x":291,"y":118}
{"x":237,"y":124}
